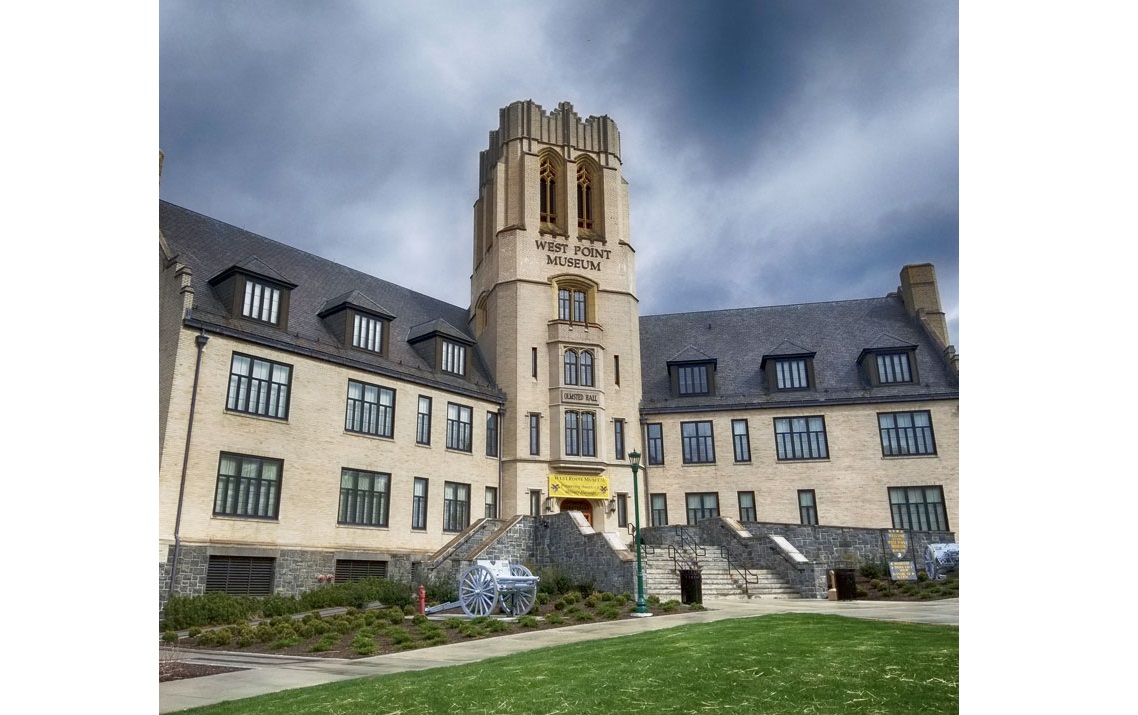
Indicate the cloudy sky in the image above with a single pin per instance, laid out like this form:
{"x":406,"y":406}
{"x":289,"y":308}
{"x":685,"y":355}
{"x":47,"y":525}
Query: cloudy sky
{"x":776,"y":152}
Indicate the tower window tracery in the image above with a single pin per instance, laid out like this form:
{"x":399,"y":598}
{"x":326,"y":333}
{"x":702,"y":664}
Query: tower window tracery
{"x":548,"y":174}
{"x":584,"y":197}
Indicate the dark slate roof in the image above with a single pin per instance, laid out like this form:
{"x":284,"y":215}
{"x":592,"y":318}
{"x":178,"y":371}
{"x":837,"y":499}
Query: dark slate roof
{"x":209,"y":247}
{"x":439,"y":327}
{"x":837,"y":332}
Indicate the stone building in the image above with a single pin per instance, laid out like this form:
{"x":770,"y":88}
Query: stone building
{"x":316,"y":421}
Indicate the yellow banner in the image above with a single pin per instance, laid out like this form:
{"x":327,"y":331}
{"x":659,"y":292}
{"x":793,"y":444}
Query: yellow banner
{"x":581,"y":486}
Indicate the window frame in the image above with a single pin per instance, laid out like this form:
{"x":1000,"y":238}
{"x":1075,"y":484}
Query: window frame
{"x":585,"y":374}
{"x":570,"y":362}
{"x":878,"y":373}
{"x":657,"y":513}
{"x":240,"y":393}
{"x":384,"y":415}
{"x":491,"y":434}
{"x":747,"y":513}
{"x":535,"y":502}
{"x":369,"y":333}
{"x":904,"y":519}
{"x":618,"y":438}
{"x":460,"y":431}
{"x":622,"y":510}
{"x":348,"y":510}
{"x":534,"y":433}
{"x":491,"y":502}
{"x":703,"y":512}
{"x":580,"y":433}
{"x":797,"y":439}
{"x":693,"y":380}
{"x":655,"y":443}
{"x":922,"y":436}
{"x":252,"y":301}
{"x":808,"y":513}
{"x":265,"y":491}
{"x":741,"y":442}
{"x":423,"y":421}
{"x":456,"y":511}
{"x":805,"y":373}
{"x":420,"y":503}
{"x":698,"y":448}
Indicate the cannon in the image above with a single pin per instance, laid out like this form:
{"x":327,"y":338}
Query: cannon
{"x":491,"y":584}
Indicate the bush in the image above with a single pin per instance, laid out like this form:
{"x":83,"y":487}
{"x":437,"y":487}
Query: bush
{"x":210,"y":609}
{"x":554,"y":581}
{"x":554,"y":619}
{"x":170,"y":637}
{"x":873,"y":570}
{"x":609,"y":612}
{"x":278,"y":606}
{"x":696,"y":607}
{"x":528,"y":622}
{"x":441,"y":593}
{"x":669,"y":605}
{"x":326,"y":642}
{"x":195,"y":632}
{"x":922,"y":576}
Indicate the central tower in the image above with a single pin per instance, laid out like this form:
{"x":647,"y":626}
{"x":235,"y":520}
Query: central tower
{"x":555,"y":313}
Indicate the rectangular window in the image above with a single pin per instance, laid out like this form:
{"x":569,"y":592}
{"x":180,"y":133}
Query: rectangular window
{"x":456,"y":506}
{"x":459,"y":425}
{"x":702,"y":506}
{"x":247,"y":486}
{"x":258,"y":387}
{"x":698,"y":442}
{"x":918,"y":508}
{"x":579,"y":312}
{"x":807,"y":508}
{"x":692,"y":379}
{"x":419,"y":504}
{"x":616,"y":369}
{"x":659,"y":510}
{"x":367,"y":333}
{"x":454,"y":358}
{"x":491,"y":434}
{"x":364,"y":497}
{"x":491,"y":502}
{"x":655,"y":443}
{"x":534,"y":434}
{"x":893,"y":367}
{"x":240,"y":575}
{"x":423,"y":421}
{"x":906,"y":433}
{"x":371,"y":409}
{"x":801,"y":438}
{"x":535,"y":502}
{"x":563,"y":304}
{"x":533,"y":361}
{"x":351,"y":570}
{"x":621,"y":510}
{"x":747,"y":506}
{"x":580,"y":434}
{"x":262,"y":302}
{"x":741,"y":440}
{"x":791,"y":374}
{"x":618,"y":438}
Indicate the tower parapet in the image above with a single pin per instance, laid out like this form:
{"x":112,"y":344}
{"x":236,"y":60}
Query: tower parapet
{"x":560,"y":127}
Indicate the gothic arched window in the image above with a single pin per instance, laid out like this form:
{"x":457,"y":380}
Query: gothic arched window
{"x":548,"y":174}
{"x":584,"y":197}
{"x":570,"y":367}
{"x":586,"y":368}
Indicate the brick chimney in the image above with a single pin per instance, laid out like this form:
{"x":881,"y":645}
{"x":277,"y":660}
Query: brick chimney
{"x":922,"y":299}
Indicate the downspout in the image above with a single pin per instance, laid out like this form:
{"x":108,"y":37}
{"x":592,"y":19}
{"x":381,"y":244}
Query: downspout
{"x":501,"y":427}
{"x":200,"y":341}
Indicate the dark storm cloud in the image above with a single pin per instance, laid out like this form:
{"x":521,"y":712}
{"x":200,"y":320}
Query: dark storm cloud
{"x":776,"y":152}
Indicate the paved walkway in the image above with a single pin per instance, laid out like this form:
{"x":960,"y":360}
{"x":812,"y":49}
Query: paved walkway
{"x":270,"y":674}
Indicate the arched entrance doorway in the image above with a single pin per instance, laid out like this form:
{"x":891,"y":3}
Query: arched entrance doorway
{"x":581,"y":505}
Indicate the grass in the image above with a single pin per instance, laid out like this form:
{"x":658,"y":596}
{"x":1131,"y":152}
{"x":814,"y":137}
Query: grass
{"x":786,"y":663}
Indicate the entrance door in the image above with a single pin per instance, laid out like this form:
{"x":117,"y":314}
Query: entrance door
{"x":581,"y":505}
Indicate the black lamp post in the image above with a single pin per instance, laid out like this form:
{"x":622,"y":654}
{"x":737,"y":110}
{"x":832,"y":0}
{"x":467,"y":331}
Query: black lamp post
{"x":641,"y":609}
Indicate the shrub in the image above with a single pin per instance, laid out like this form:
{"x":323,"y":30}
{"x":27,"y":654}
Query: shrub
{"x":528,"y":622}
{"x":669,"y":605}
{"x":216,"y":637}
{"x":591,"y":602}
{"x":541,"y":599}
{"x":364,"y":642}
{"x":583,"y":616}
{"x":278,"y":606}
{"x":873,"y":570}
{"x":922,"y":576}
{"x":394,"y":616}
{"x":453,"y":623}
{"x":696,"y":607}
{"x":263,"y":632}
{"x":608,"y":612}
{"x":170,"y":637}
{"x":195,"y":632}
{"x":585,"y":588}
{"x":652,"y":600}
{"x":554,"y":619}
{"x":441,"y":593}
{"x":398,"y":635}
{"x":326,"y":642}
{"x":210,"y":609}
{"x":554,"y":581}
{"x":861,"y":593}
{"x":419,"y":619}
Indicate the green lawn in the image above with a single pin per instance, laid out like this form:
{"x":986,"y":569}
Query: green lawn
{"x":789,"y":663}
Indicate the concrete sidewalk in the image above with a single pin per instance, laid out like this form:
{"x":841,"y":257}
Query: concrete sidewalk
{"x":270,"y":674}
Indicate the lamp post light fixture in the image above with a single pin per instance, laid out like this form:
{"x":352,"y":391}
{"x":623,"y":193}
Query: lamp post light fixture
{"x":641,"y":609}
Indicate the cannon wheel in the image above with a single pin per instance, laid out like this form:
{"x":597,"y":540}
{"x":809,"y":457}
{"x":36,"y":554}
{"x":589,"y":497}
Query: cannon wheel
{"x":478,"y":591}
{"x":518,"y":603}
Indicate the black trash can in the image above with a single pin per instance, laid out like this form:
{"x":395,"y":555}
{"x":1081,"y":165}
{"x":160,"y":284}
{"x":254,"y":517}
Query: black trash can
{"x":845,"y":584}
{"x":691,"y":586}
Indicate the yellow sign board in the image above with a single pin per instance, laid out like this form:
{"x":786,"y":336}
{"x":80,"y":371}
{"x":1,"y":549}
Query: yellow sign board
{"x":580,"y":486}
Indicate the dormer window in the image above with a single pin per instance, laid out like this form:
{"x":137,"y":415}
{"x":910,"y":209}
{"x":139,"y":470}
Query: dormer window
{"x":367,"y":333}
{"x":692,"y":379}
{"x":254,"y":291}
{"x":454,"y":358}
{"x":262,"y":301}
{"x":786,"y":370}
{"x":889,"y":366}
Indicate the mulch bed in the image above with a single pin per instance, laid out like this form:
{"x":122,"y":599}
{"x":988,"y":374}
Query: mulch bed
{"x":179,"y":670}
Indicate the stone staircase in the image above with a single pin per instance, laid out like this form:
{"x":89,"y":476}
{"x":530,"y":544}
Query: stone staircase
{"x":662,"y":578}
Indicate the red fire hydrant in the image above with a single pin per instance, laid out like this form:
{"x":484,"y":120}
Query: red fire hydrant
{"x":422,"y":601}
